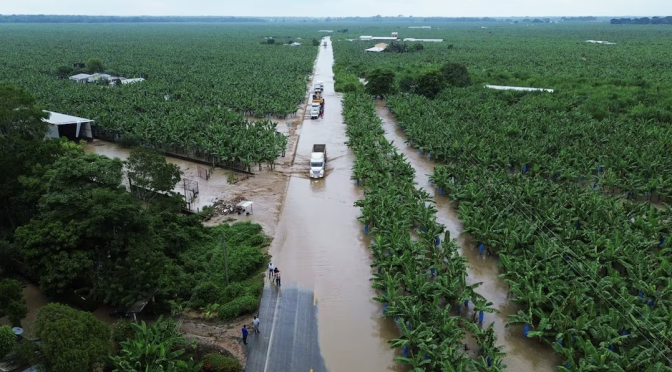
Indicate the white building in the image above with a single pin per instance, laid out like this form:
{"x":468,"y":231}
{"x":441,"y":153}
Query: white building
{"x":424,"y":40}
{"x":80,"y":78}
{"x":526,"y":89}
{"x":62,"y":125}
{"x":600,"y":42}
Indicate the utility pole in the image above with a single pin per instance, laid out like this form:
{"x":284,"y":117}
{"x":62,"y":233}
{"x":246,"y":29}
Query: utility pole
{"x":226,"y":259}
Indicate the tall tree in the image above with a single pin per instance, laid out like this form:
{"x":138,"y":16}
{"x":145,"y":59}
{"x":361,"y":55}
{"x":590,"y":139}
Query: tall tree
{"x":89,"y":232}
{"x":151,"y":174}
{"x":380,"y":82}
{"x":12,"y":303}
{"x":21,"y":149}
{"x":94,"y":65}
{"x":72,"y":340}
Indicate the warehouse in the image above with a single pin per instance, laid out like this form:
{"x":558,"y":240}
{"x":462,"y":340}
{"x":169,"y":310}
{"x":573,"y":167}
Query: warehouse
{"x":72,"y":127}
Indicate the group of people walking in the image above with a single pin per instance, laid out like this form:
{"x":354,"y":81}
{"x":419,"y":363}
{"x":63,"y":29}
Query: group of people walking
{"x":245,"y":330}
{"x":274,"y":273}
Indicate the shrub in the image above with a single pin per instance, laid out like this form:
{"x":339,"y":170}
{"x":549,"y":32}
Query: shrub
{"x":233,"y":291}
{"x":7,"y":340}
{"x":220,"y":363}
{"x":122,"y":331}
{"x":207,"y":293}
{"x":239,"y":306}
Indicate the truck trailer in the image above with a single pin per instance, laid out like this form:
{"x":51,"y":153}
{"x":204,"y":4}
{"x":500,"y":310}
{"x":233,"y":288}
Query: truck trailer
{"x":318,"y":160}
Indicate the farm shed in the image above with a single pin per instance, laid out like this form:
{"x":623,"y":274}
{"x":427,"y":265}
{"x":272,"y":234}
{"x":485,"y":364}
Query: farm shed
{"x":425,"y":27}
{"x":325,"y":31}
{"x":378,"y":48}
{"x":426,"y":40}
{"x":384,"y":38}
{"x":80,"y":78}
{"x":600,"y":42}
{"x":295,"y":44}
{"x":365,"y":37}
{"x":527,"y":89}
{"x":72,"y":127}
{"x":131,"y":81}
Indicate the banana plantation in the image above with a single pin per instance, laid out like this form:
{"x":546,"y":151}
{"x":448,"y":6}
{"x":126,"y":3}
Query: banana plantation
{"x":199,"y":82}
{"x":568,"y":189}
{"x":421,"y":278}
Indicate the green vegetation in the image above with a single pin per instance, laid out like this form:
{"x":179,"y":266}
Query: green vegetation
{"x":220,"y":363}
{"x":200,"y":79}
{"x":80,"y":230}
{"x":7,"y":340}
{"x":540,"y":178}
{"x":12,"y":303}
{"x":421,"y":283}
{"x":157,"y":347}
{"x":71,"y":340}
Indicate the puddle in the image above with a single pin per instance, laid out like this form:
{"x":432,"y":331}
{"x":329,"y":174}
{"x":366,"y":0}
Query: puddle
{"x":523,"y":354}
{"x":320,"y":245}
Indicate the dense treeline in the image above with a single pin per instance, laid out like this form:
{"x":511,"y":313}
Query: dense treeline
{"x":48,"y":18}
{"x":574,"y":19}
{"x":68,"y":223}
{"x":643,"y":21}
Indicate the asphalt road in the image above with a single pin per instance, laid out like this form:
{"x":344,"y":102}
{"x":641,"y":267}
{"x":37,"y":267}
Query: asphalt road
{"x":288,"y":340}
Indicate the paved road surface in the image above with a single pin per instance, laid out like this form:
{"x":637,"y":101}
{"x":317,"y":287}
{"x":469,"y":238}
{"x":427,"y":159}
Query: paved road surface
{"x":288,"y":339}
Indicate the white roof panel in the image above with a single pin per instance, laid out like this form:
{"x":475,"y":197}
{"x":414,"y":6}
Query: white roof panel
{"x":61,"y":119}
{"x":80,"y":76}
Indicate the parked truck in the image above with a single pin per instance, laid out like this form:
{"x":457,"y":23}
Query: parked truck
{"x":318,"y":86}
{"x":318,"y":160}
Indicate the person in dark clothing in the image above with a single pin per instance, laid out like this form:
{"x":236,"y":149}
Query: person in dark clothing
{"x":244,"y":331}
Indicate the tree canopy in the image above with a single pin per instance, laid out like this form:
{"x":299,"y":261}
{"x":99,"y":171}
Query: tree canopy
{"x":72,"y":340}
{"x":380,"y":82}
{"x":12,"y":303}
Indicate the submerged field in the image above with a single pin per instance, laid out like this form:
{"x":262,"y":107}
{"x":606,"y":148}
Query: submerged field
{"x":567,"y":188}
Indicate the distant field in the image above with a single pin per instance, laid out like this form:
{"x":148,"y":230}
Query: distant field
{"x":199,"y":77}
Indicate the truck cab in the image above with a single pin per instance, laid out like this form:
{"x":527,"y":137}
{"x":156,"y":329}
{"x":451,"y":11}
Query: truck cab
{"x":315,"y":110}
{"x":318,"y":86}
{"x":318,"y":161}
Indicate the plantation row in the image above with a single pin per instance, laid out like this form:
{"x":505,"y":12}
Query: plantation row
{"x":422,"y":279}
{"x":199,"y":80}
{"x":517,"y":130}
{"x":591,"y":273}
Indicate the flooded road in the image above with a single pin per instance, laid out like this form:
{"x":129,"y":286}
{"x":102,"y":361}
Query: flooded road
{"x":523,"y":355}
{"x":320,"y":245}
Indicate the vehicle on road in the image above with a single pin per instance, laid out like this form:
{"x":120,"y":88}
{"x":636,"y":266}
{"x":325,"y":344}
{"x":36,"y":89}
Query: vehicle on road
{"x":318,"y":160}
{"x":315,"y":109}
{"x":318,"y":86}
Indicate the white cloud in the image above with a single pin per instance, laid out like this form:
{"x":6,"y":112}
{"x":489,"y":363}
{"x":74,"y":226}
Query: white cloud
{"x":338,"y":8}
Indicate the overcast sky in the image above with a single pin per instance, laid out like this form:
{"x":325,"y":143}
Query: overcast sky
{"x":340,"y":8}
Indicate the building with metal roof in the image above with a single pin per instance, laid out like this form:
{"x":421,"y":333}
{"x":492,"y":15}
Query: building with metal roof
{"x":527,"y":89}
{"x":423,"y":40}
{"x":72,"y":127}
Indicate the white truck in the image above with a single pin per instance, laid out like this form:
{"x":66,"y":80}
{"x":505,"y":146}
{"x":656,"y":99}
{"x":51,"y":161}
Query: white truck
{"x":318,"y":86}
{"x":315,"y":110}
{"x":318,"y":160}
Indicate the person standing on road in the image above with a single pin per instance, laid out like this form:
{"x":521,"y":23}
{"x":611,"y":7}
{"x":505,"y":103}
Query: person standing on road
{"x":244,"y":331}
{"x":255,"y":325}
{"x":270,"y":269}
{"x":277,"y":278}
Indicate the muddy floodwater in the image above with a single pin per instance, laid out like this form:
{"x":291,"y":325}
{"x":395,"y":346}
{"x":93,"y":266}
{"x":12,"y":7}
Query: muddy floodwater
{"x":320,"y":245}
{"x":523,"y":354}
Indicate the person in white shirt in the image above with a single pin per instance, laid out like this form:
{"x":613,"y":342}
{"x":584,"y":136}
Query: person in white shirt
{"x":270,"y":269}
{"x":255,"y":325}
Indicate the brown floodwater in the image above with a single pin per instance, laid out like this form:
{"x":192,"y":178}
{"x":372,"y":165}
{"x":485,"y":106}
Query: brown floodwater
{"x":523,"y":354}
{"x":320,"y":245}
